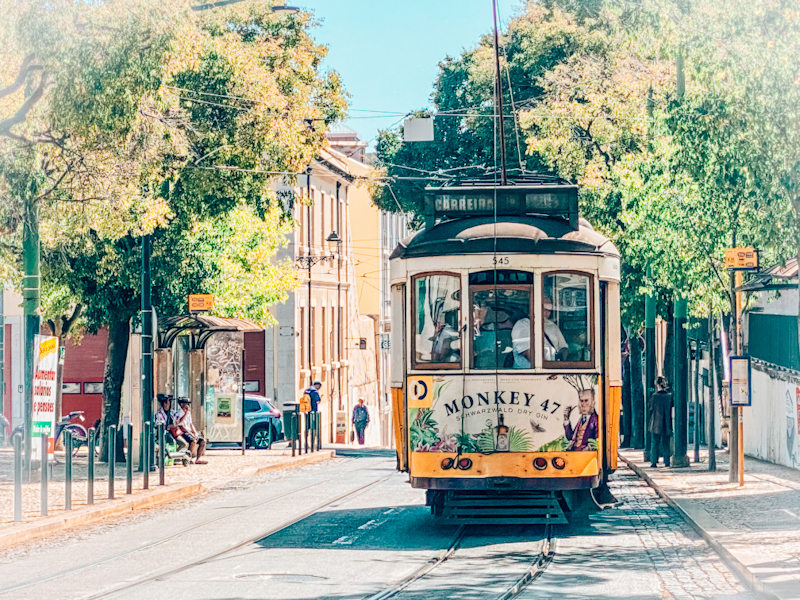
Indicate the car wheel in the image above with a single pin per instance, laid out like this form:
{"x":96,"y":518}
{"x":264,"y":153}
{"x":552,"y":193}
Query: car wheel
{"x":259,"y":438}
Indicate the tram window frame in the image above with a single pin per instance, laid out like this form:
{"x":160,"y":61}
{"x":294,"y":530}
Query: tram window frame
{"x":524,"y":287}
{"x":570,"y":364}
{"x":431,"y":366}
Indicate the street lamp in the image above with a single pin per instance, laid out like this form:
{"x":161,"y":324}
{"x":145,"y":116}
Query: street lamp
{"x":306,"y":262}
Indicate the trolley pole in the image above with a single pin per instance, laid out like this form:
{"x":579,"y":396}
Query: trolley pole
{"x":681,"y":385}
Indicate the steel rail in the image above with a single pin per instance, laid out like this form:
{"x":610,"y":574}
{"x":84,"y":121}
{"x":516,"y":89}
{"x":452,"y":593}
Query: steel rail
{"x":165,"y":539}
{"x":161,"y":575}
{"x":537,"y":567}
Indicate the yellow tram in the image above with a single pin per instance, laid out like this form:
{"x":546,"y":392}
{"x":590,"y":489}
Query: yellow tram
{"x":506,"y":367}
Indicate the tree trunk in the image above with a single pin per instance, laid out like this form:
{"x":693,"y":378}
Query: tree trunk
{"x":637,"y":392}
{"x":116,"y":355}
{"x":668,"y":368}
{"x":627,"y":417}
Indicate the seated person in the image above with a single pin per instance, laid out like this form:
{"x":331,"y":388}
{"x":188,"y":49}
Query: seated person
{"x":490,"y":337}
{"x":555,"y":346}
{"x":166,"y":415}
{"x":521,"y":344}
{"x":197,"y":445}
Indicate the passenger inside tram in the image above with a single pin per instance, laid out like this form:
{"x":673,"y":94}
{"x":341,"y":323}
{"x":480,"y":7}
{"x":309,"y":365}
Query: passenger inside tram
{"x":565,"y":310}
{"x":555,"y":346}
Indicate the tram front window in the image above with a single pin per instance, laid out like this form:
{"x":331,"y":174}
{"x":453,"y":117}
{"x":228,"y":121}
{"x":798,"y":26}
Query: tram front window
{"x":501,"y":324}
{"x":437,"y":343}
{"x":566,"y":302}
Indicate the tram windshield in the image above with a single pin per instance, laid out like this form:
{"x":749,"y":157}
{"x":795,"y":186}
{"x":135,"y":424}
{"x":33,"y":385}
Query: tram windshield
{"x":501,"y":319}
{"x":437,"y":342}
{"x":566,"y":315}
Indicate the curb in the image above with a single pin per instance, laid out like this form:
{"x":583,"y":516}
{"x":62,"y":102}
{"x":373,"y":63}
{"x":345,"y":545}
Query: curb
{"x":95,"y":514}
{"x":696,"y":517}
{"x":299,"y":461}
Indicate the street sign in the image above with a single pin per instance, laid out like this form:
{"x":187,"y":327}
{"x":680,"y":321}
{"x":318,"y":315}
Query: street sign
{"x":740,"y":381}
{"x":44,"y":392}
{"x":741,"y":259}
{"x":201,"y":303}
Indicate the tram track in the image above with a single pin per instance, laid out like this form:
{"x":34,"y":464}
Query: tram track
{"x":536,"y":567}
{"x":164,"y":574}
{"x":173,"y":536}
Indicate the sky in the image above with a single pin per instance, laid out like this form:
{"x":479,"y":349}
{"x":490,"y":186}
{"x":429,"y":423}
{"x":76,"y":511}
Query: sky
{"x":387,"y":51}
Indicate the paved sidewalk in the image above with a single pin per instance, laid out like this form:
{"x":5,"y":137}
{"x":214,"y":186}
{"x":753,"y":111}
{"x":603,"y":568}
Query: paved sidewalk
{"x":223,"y":465}
{"x":756,"y":529}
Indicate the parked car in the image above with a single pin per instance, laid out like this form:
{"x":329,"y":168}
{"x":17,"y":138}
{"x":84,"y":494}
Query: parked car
{"x":261,"y":416}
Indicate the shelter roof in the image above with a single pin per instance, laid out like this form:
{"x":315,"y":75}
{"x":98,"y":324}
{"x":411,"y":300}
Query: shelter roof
{"x":203,"y":325}
{"x":775,"y":277}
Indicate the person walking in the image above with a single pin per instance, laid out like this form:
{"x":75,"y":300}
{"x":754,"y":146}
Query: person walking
{"x":659,"y":422}
{"x":360,"y":420}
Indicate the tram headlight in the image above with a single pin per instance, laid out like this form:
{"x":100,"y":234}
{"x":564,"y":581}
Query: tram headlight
{"x":559,"y":463}
{"x":447,"y":463}
{"x":464,"y":463}
{"x":540,"y":463}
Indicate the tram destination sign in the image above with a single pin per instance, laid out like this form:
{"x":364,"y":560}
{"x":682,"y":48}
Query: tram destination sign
{"x":559,"y":201}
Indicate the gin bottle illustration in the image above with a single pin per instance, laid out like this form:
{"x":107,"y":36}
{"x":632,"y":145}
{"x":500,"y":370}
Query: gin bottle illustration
{"x":502,"y":444}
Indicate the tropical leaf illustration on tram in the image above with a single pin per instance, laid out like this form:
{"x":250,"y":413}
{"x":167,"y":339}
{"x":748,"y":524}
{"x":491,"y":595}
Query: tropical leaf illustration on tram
{"x":557,"y":445}
{"x":423,"y":429}
{"x":439,"y":386}
{"x":468,"y":442}
{"x":519,"y":440}
{"x":592,"y":445}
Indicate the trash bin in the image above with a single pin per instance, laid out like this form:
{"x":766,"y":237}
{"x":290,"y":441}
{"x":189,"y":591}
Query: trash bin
{"x":291,"y":432}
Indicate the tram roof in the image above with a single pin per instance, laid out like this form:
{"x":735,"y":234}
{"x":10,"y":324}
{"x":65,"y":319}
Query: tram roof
{"x":507,"y":235}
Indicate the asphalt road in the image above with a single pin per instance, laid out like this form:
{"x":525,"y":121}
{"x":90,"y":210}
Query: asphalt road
{"x":352,"y":528}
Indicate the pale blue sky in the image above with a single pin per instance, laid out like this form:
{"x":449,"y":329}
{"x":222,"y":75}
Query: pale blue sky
{"x":387,"y":52}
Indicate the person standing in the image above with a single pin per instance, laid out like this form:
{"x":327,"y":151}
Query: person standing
{"x":659,"y":422}
{"x":360,"y":420}
{"x":313,"y":394}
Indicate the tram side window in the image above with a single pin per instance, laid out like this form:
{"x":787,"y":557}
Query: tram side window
{"x":566,"y":316}
{"x":437,"y":302}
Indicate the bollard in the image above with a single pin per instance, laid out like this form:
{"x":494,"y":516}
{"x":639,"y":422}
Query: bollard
{"x":43,"y":508}
{"x":17,"y":477}
{"x":269,"y":438}
{"x":112,"y":459}
{"x":305,"y":432}
{"x":146,"y":457}
{"x":90,"y":480}
{"x":162,"y":446}
{"x":293,"y":425}
{"x":319,"y":433}
{"x":68,"y":469}
{"x":129,"y":460}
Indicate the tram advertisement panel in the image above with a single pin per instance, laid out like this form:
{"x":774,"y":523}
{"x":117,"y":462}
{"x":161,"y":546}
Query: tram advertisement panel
{"x":507,"y":413}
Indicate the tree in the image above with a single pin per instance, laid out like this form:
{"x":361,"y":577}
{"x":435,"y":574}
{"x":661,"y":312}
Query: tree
{"x":156,"y":119}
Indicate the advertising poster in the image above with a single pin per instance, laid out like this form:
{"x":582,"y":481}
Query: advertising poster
{"x":507,"y":413}
{"x":223,"y":409}
{"x":44,"y":393}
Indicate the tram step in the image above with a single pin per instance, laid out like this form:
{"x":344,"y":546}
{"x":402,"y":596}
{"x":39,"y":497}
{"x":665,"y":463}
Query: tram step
{"x":493,"y":508}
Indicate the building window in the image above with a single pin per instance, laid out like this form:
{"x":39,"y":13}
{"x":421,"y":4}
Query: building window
{"x":324,"y":336}
{"x":92,"y":388}
{"x":303,"y":325}
{"x":70,"y":388}
{"x":437,"y":318}
{"x":567,"y":320}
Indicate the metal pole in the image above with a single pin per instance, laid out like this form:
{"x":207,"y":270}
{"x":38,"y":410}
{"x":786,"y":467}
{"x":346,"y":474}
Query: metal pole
{"x":162,"y":452}
{"x":498,"y":90}
{"x":293,"y":425}
{"x":17,"y":439}
{"x":2,"y":363}
{"x":43,"y":509}
{"x":244,"y":441}
{"x":650,"y":360}
{"x":31,"y":303}
{"x":129,"y":460}
{"x":68,"y":470}
{"x":305,"y":431}
{"x":90,"y":480}
{"x":679,"y":458}
{"x":712,"y":396}
{"x":146,"y":471}
{"x":147,"y":343}
{"x":319,"y":433}
{"x":309,"y":336}
{"x":697,"y":403}
{"x":112,"y":459}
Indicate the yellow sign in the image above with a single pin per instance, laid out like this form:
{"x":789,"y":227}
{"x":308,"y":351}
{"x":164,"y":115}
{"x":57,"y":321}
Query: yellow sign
{"x":305,"y":403}
{"x":420,"y":391}
{"x":741,"y":258}
{"x":48,"y":346}
{"x":201,"y":302}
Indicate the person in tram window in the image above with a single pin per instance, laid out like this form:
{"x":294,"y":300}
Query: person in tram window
{"x":555,"y":346}
{"x":490,"y":335}
{"x":521,"y":344}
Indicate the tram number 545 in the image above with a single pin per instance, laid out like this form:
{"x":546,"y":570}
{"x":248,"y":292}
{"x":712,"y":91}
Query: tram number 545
{"x":501,"y":260}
